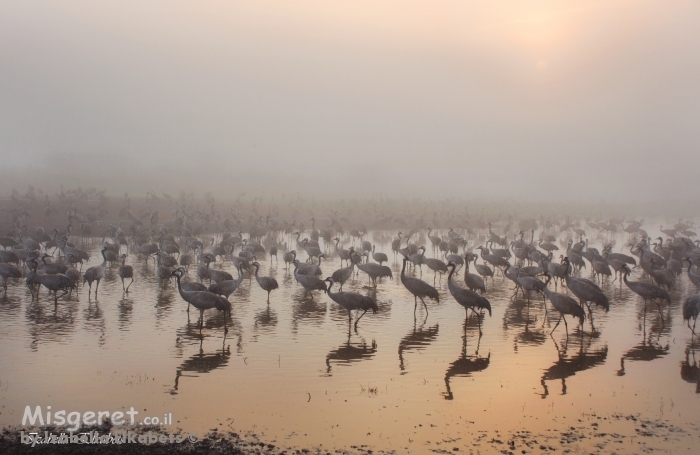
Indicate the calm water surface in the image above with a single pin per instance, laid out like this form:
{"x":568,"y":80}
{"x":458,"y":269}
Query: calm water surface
{"x":295,"y":373}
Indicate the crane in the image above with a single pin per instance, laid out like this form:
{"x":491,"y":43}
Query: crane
{"x":418,"y":288}
{"x":351,"y":301}
{"x":564,"y":305}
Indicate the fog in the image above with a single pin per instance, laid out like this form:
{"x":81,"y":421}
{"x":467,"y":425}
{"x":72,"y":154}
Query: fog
{"x":542,"y":100}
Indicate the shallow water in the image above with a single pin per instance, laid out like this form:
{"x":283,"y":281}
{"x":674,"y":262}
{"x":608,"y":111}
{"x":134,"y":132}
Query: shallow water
{"x":294,"y":372}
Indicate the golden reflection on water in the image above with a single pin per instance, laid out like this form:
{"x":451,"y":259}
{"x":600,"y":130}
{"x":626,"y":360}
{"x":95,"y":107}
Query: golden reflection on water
{"x":296,"y":372}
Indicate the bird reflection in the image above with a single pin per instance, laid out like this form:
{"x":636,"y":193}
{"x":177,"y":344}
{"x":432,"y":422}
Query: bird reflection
{"x":95,"y":320}
{"x":10,"y":305}
{"x":654,"y":322}
{"x":514,"y":317}
{"x":126,"y":307}
{"x":288,"y":278}
{"x":266,"y":320}
{"x":691,"y":372}
{"x":164,"y":302}
{"x":306,"y":309}
{"x":190,"y":333}
{"x":49,"y":326}
{"x":568,"y":366}
{"x":530,"y":337}
{"x":202,"y":363}
{"x":349,"y":353}
{"x":646,"y":351}
{"x":465,"y":365}
{"x":417,"y":339}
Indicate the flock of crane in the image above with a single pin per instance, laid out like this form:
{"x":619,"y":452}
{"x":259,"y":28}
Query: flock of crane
{"x":55,"y":262}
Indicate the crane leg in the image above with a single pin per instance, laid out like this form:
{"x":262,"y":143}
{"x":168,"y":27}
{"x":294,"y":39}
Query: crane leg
{"x":478,"y":320}
{"x":127,"y":288}
{"x":557,"y":324}
{"x":660,"y":312}
{"x":358,"y":319}
{"x":426,"y":306}
{"x":415,"y":304}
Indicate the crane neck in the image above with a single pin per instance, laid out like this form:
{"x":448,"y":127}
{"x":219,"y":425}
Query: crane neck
{"x":330,"y":286}
{"x":179,"y":285}
{"x":452,"y":271}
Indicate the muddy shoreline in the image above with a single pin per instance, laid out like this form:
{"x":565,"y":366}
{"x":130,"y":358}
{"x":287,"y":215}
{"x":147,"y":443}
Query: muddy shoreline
{"x":616,"y":434}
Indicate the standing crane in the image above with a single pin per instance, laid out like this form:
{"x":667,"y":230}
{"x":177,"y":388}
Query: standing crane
{"x":466,"y":297}
{"x":434,"y":239}
{"x":375,"y":271}
{"x":585,"y":290}
{"x":564,"y":305}
{"x":309,"y":282}
{"x":311,"y":268}
{"x":190,"y":285}
{"x":495,"y":261}
{"x":695,"y":279}
{"x":395,"y":245}
{"x":343,"y":253}
{"x":647,"y":291}
{"x":95,"y":273}
{"x":379,"y":257}
{"x":436,"y":265}
{"x":691,"y":309}
{"x":344,"y":274}
{"x":203,"y":300}
{"x":418,"y":288}
{"x":227,"y":287}
{"x":266,"y":283}
{"x":482,"y":269}
{"x":289,"y":258}
{"x":125,"y":271}
{"x":53,"y":283}
{"x":474,"y":282}
{"x":351,"y":301}
{"x":8,"y":271}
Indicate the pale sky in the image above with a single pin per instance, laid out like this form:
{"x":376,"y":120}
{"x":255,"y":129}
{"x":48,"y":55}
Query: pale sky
{"x":530,"y":99}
